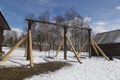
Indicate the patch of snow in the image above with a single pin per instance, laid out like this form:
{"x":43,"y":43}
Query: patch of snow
{"x":117,"y":40}
{"x":95,"y":68}
{"x":91,"y":69}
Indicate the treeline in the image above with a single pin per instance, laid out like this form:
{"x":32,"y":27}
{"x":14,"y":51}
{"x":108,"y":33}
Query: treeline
{"x":48,"y":37}
{"x":11,"y":38}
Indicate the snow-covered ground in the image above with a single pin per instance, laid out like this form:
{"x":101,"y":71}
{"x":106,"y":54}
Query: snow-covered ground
{"x":95,"y":68}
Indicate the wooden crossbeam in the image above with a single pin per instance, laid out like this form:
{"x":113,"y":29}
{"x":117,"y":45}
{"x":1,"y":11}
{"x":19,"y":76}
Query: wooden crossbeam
{"x":101,"y":51}
{"x":60,"y":45}
{"x":44,"y":22}
{"x":13,"y":48}
{"x":73,"y":49}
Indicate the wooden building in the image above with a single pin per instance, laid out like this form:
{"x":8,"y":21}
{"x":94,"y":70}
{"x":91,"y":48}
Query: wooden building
{"x":3,"y":26}
{"x":109,"y":42}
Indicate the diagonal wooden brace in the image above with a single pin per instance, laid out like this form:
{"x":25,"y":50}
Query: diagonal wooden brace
{"x":94,"y":47}
{"x":13,"y":48}
{"x":101,"y":51}
{"x":69,"y":41}
{"x":60,"y":45}
{"x":83,"y":46}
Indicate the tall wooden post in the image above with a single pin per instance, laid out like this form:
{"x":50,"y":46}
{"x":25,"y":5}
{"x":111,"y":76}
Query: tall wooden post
{"x":65,"y":42}
{"x":89,"y":41}
{"x":29,"y":44}
{"x":28,"y":49}
{"x":1,"y":41}
{"x":26,"y":45}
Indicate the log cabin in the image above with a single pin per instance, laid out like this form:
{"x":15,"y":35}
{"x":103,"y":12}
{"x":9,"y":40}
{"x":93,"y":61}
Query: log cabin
{"x":109,"y":42}
{"x":3,"y":26}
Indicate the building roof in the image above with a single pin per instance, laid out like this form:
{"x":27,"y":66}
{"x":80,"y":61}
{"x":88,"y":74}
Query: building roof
{"x":108,"y":37}
{"x":3,"y":23}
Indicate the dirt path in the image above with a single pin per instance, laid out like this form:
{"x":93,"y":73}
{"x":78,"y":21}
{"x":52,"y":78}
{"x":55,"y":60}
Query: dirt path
{"x":19,"y":73}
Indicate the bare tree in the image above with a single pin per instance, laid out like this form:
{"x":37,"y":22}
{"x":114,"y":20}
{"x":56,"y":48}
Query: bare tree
{"x":47,"y":37}
{"x":45,"y":16}
{"x":71,"y":14}
{"x":39,"y":33}
{"x":59,"y":19}
{"x":10,"y":38}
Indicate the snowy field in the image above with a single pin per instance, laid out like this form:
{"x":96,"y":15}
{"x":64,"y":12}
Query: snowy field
{"x":95,"y":68}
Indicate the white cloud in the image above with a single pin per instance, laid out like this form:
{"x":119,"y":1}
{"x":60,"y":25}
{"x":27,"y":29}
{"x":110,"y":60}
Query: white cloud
{"x":10,"y":32}
{"x":99,"y":29}
{"x":100,"y":23}
{"x":87,"y":20}
{"x":19,"y":31}
{"x":101,"y":26}
{"x":118,"y":7}
{"x":113,"y":25}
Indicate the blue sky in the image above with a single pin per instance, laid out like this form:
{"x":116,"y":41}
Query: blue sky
{"x":105,"y":14}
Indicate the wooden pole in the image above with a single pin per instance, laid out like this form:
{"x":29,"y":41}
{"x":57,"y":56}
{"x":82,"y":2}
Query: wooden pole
{"x":25,"y":55}
{"x":65,"y":43}
{"x":28,"y":43}
{"x":30,"y":48}
{"x":13,"y":48}
{"x":60,"y":45}
{"x":93,"y":45}
{"x":101,"y":51}
{"x":28,"y":51}
{"x":83,"y":46}
{"x":69,"y":41}
{"x":1,"y":40}
{"x":89,"y":41}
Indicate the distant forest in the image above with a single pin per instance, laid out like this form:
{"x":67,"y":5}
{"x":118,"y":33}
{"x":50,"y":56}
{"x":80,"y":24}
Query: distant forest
{"x":47,"y":37}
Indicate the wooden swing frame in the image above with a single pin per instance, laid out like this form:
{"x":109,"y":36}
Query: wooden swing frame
{"x":28,"y":37}
{"x":65,"y":27}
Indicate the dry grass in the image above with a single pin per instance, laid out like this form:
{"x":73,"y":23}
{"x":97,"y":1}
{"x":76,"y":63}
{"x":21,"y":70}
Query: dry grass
{"x":19,"y":73}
